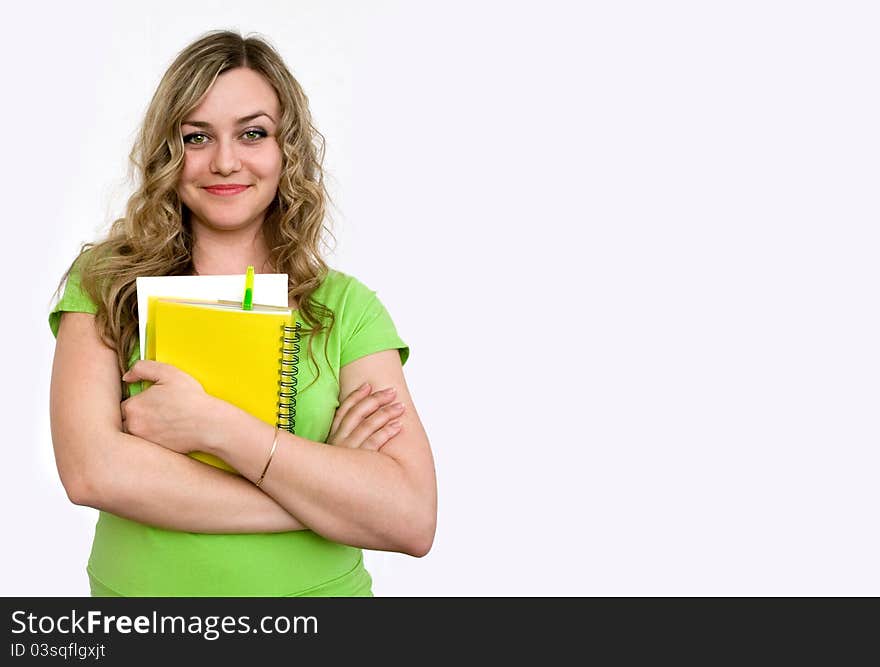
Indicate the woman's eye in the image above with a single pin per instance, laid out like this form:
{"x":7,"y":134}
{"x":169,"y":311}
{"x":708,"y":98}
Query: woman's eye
{"x":199,"y":139}
{"x":195,"y":138}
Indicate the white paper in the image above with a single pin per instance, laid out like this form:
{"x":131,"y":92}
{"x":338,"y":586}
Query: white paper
{"x":270,"y":289}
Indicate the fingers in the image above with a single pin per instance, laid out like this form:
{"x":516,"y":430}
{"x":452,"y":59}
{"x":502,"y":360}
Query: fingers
{"x":381,"y":437}
{"x":361,"y":410}
{"x":347,"y":403}
{"x":129,"y":416}
{"x":153,"y":371}
{"x":122,"y":407}
{"x":377,"y":428}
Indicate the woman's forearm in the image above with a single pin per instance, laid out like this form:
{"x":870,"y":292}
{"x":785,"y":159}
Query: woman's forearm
{"x":354,"y":496}
{"x":139,"y":480}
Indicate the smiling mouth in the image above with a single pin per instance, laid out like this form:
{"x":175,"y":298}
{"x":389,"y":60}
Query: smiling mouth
{"x":226,"y":190}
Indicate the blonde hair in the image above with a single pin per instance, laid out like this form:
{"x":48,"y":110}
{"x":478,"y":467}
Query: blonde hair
{"x":154,"y":237}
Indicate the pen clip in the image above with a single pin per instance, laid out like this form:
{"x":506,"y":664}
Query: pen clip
{"x":248,"y":301}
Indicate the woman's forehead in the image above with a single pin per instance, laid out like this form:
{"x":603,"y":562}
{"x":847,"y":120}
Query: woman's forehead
{"x":235,"y":96}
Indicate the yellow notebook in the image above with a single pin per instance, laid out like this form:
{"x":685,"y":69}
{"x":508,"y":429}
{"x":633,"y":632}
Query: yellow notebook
{"x":246,"y":357}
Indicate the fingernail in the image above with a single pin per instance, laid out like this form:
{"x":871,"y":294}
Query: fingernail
{"x":390,"y":390}
{"x":397,"y":406}
{"x":394,"y":425}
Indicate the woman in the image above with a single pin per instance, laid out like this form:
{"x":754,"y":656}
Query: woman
{"x":231,"y":176}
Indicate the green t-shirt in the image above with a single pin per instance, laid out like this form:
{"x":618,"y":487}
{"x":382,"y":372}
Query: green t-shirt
{"x":133,"y":559}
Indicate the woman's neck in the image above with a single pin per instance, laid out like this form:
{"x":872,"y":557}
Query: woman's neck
{"x":229,"y":253}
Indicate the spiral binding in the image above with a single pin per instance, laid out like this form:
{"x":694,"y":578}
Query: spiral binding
{"x":289,"y":365}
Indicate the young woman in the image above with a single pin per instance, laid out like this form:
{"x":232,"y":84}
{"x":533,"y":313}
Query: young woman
{"x":230,"y":176}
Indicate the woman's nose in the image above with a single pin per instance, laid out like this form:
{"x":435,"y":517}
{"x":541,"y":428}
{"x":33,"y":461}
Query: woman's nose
{"x":225,"y":159}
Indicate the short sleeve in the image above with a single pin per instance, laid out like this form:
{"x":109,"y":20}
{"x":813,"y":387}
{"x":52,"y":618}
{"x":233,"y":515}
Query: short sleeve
{"x":73,"y":299}
{"x":365,"y":325}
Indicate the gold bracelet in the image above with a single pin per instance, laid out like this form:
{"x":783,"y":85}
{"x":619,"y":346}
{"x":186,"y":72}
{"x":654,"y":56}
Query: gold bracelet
{"x":271,"y":454}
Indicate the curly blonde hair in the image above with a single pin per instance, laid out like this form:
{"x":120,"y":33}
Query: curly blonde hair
{"x":154,"y":238}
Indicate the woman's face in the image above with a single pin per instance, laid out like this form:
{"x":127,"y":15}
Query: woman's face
{"x":229,"y":140}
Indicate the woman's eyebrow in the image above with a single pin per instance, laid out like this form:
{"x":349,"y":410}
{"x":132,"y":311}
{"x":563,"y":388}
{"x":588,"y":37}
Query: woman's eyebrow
{"x":244,"y":119}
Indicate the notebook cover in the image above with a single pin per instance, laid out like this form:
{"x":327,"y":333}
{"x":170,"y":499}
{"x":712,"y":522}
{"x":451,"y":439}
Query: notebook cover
{"x":269,"y":288}
{"x":233,"y":353}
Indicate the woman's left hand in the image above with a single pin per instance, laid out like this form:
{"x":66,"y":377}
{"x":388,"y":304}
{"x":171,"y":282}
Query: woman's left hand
{"x":171,"y":412}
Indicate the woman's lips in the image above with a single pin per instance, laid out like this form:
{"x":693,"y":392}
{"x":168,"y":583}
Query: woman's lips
{"x":226,"y":190}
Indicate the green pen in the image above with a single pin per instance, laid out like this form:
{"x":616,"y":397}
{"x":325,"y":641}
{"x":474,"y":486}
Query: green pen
{"x":248,"y":303}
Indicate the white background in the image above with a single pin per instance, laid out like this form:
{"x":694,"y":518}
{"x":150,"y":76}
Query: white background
{"x":631,"y":244}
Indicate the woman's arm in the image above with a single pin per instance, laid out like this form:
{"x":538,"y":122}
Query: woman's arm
{"x":384,"y":500}
{"x":102,"y":467}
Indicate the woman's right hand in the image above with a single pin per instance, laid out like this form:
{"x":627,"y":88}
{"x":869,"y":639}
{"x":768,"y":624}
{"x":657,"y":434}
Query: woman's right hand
{"x":366,"y":420}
